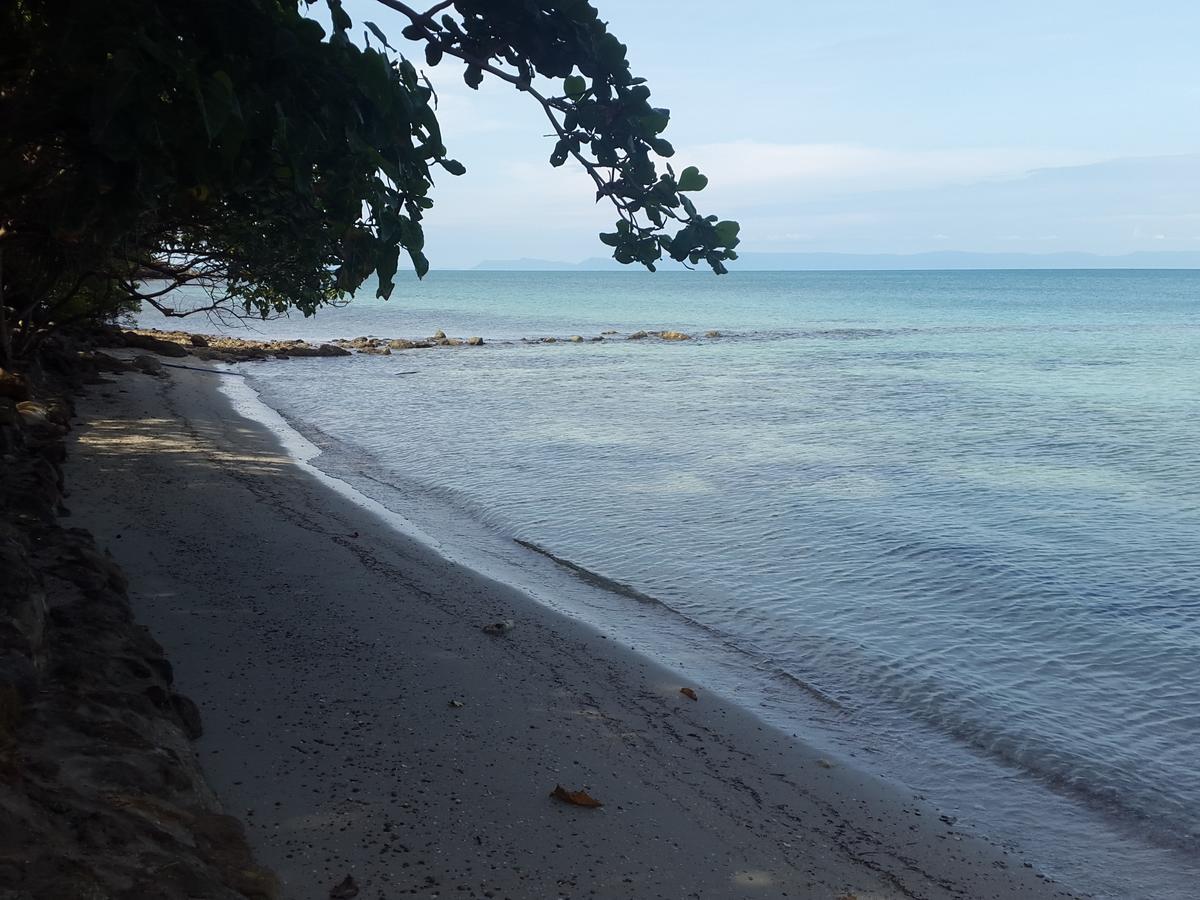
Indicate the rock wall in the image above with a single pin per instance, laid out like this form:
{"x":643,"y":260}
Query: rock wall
{"x":101,"y":795}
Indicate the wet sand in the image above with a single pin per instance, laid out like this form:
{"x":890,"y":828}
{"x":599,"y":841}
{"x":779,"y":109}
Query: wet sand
{"x":361,"y":722}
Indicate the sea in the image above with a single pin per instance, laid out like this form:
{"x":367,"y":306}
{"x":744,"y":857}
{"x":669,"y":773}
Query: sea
{"x":943,"y":525}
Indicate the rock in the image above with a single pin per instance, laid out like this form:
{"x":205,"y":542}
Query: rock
{"x":9,"y":417}
{"x":450,"y":342}
{"x":475,"y":341}
{"x":154,"y":345}
{"x":609,"y":331}
{"x":106,"y":363}
{"x":322,"y":350}
{"x":421,"y":345}
{"x":498,"y":628}
{"x":148,"y":364}
{"x":189,"y":716}
{"x":598,"y":337}
{"x":550,"y":340}
{"x":198,"y":340}
{"x":674,"y":336}
{"x":712,"y":334}
{"x":33,"y":413}
{"x":439,"y":335}
{"x":346,"y":890}
{"x":13,"y":385}
{"x":376,"y":351}
{"x":637,"y":336}
{"x":401,"y":344}
{"x":576,"y":339}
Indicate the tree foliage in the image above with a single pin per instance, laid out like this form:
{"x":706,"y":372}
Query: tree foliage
{"x":235,"y":145}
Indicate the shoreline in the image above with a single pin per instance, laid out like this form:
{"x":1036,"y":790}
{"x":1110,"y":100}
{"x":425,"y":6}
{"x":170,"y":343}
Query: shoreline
{"x":325,"y":649}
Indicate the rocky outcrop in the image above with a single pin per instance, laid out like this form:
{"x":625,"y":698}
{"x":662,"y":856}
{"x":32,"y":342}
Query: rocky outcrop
{"x":101,"y":795}
{"x":140,"y":340}
{"x":674,"y":336}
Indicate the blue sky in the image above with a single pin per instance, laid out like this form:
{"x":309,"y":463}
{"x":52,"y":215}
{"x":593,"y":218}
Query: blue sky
{"x":871,"y":127}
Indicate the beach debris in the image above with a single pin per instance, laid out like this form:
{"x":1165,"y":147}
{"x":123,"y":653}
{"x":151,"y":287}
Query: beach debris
{"x":345,"y":889}
{"x":689,"y":693}
{"x":824,"y":764}
{"x":575,"y":798}
{"x":456,"y":704}
{"x":499,"y":628}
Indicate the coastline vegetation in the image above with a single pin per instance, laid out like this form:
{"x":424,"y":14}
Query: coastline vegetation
{"x":239,"y":148}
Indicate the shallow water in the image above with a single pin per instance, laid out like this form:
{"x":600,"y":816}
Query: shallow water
{"x":950,"y":521}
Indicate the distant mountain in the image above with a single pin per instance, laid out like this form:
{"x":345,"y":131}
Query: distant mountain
{"x":856,"y":262}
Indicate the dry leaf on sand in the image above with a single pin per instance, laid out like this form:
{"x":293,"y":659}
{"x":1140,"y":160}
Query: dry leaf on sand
{"x":575,"y":798}
{"x":688,"y":692}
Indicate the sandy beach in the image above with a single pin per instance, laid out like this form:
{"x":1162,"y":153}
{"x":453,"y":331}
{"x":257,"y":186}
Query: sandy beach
{"x":361,"y":722}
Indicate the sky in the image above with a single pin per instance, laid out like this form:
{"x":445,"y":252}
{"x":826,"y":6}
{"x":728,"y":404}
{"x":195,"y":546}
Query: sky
{"x":859,"y":126}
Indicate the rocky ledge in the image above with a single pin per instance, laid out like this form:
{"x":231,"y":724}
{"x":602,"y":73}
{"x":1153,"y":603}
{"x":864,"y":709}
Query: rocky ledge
{"x":232,"y":349}
{"x":101,"y":795}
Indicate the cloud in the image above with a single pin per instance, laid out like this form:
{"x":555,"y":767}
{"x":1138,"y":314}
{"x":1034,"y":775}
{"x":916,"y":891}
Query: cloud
{"x":820,"y":169}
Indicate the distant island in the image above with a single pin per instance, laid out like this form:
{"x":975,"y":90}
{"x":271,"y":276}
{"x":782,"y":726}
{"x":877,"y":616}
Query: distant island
{"x":857,"y":262}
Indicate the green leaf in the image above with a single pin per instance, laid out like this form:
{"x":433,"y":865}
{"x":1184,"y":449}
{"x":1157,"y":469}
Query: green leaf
{"x":379,"y":34}
{"x":453,"y":166}
{"x":341,"y":21}
{"x":690,"y":179}
{"x":473,"y":77}
{"x":433,"y":54}
{"x":727,"y":233}
{"x":574,"y":86}
{"x":387,"y":270}
{"x":420,"y":263}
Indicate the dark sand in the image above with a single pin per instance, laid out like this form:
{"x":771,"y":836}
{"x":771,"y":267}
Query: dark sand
{"x":325,"y":666}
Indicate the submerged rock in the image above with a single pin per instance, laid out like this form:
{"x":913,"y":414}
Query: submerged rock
{"x":576,"y":339}
{"x":638,"y":335}
{"x":474,"y":342}
{"x":674,"y":336}
{"x":322,"y":350}
{"x":712,"y":334}
{"x":401,"y":344}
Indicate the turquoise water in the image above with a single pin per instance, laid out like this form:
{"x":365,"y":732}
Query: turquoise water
{"x":956,"y":516}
